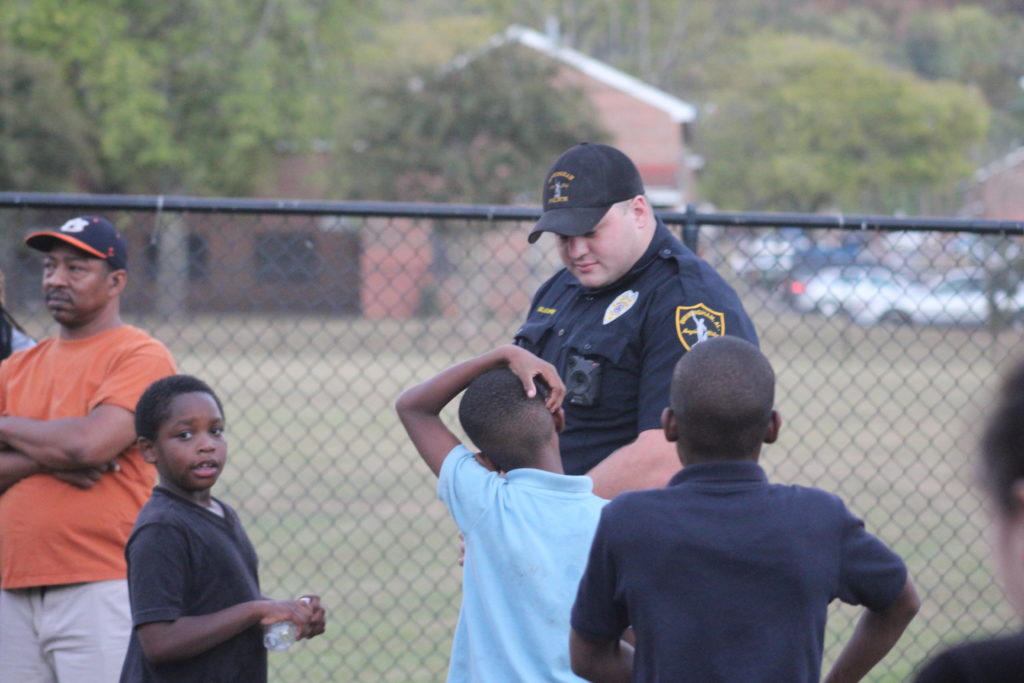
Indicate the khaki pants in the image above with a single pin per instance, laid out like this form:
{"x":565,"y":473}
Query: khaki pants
{"x":76,"y":633}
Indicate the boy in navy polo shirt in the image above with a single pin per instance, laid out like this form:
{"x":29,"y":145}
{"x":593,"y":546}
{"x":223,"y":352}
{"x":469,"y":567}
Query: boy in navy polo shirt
{"x":527,"y":525}
{"x":722,"y":575}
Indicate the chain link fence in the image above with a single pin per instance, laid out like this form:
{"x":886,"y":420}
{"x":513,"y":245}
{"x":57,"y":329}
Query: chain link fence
{"x":887,"y":337}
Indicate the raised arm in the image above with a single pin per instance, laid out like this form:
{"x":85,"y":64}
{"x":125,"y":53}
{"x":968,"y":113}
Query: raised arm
{"x":875,"y":635}
{"x":419,"y":407}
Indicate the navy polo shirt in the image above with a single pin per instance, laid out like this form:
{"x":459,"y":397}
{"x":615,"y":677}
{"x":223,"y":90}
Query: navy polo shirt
{"x":727,"y":577}
{"x":634,"y":331}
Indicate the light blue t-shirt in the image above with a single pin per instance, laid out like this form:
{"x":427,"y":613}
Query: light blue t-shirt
{"x":528,"y":535}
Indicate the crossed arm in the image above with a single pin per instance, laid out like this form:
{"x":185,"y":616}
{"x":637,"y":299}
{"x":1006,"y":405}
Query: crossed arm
{"x":77,"y":450}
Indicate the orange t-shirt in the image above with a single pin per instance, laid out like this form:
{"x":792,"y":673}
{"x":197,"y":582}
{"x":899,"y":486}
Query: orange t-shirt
{"x":51,"y":532}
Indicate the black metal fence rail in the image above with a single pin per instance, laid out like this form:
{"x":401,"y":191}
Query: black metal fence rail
{"x":301,"y":207}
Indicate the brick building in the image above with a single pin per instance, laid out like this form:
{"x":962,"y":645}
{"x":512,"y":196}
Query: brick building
{"x":648,"y":124}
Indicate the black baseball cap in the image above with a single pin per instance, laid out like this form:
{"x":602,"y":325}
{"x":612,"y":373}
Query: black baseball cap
{"x":582,"y":185}
{"x":94,"y":235}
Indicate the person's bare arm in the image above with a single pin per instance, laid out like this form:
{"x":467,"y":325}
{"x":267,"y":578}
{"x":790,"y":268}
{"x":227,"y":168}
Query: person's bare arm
{"x":647,"y":463}
{"x":84,"y":478}
{"x":609,"y":661}
{"x":419,"y":407}
{"x":71,"y":443}
{"x":14,"y":467}
{"x":875,"y":635}
{"x":168,"y":641}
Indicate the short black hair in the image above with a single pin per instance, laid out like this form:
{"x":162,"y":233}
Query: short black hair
{"x":723,"y":394}
{"x":1002,"y":444}
{"x":503,"y":422}
{"x":154,"y":405}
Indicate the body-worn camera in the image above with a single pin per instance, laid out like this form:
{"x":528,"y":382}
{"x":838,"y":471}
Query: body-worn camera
{"x":582,"y":381}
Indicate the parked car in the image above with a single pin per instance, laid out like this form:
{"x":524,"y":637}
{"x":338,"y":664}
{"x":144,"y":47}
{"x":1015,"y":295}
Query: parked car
{"x":963,"y":299}
{"x":765,"y":259}
{"x":871,"y":294}
{"x":820,"y":255}
{"x":960,"y":301}
{"x":855,"y":290}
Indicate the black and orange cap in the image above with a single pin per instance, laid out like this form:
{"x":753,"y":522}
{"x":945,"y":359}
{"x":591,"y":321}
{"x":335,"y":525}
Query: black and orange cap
{"x":94,"y":235}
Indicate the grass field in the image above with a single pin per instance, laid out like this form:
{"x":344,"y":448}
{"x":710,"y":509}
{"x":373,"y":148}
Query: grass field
{"x":338,"y":503}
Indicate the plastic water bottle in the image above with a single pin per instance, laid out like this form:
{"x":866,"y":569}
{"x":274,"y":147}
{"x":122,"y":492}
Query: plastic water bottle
{"x":281,"y":635}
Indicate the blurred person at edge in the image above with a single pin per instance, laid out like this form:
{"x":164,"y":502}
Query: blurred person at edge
{"x":630,"y":301}
{"x":12,"y":335}
{"x":71,"y":479}
{"x":1001,"y":473}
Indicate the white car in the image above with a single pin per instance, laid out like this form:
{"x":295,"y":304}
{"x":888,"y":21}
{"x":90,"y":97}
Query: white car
{"x":956,"y":300}
{"x":870,"y":294}
{"x":853,"y":290}
{"x":765,"y":259}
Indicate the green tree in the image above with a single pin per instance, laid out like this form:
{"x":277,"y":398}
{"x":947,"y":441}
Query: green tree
{"x":190,"y":96}
{"x":685,"y":48}
{"x":482,"y":131}
{"x":983,"y":48}
{"x":808,"y":125}
{"x":664,"y":42}
{"x":43,"y":137}
{"x":411,"y":37}
{"x":970,"y":45}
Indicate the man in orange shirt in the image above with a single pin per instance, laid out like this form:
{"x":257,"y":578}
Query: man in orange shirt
{"x":71,"y":479}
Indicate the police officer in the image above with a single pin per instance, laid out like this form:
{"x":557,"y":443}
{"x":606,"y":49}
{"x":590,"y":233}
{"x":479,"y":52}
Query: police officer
{"x":629,"y":302}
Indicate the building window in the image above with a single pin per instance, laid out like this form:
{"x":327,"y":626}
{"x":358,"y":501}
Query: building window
{"x":286,"y":257}
{"x":198,"y":255}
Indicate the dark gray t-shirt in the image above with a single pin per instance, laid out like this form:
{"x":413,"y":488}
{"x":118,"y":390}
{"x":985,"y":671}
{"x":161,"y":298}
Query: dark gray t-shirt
{"x":184,"y":560}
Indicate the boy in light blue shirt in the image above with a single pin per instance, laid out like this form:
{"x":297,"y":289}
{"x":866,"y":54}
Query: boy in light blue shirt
{"x":527,"y":526}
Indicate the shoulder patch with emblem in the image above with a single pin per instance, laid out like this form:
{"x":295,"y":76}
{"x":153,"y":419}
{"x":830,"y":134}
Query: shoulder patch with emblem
{"x":622,"y":303}
{"x":694,"y":324}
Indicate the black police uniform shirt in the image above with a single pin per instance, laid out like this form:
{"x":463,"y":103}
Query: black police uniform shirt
{"x":615,"y":347}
